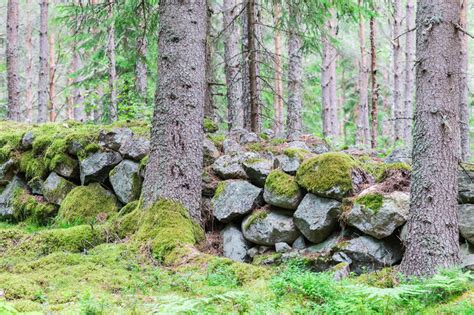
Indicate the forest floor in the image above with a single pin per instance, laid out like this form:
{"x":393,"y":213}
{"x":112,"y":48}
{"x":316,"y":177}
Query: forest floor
{"x":116,"y":278}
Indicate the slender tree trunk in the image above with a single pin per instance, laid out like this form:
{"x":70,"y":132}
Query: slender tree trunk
{"x":140,"y":67}
{"x":375,"y":87}
{"x":362,"y":133}
{"x":295,"y":72}
{"x":233,"y":73}
{"x":245,"y":66}
{"x":43,"y":79}
{"x":52,"y":78}
{"x":210,"y":73}
{"x":12,"y":53}
{"x":174,"y":169}
{"x":29,"y":64}
{"x":409,"y":72}
{"x":398,"y":115}
{"x":333,"y":86}
{"x":78,"y":111}
{"x":433,"y":235}
{"x":278,"y":93}
{"x":113,"y":115}
{"x":254,"y":98}
{"x":464,"y":99}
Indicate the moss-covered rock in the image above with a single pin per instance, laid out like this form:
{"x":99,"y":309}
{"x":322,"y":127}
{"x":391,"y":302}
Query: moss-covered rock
{"x":84,"y":204}
{"x":56,"y":188}
{"x":32,"y":208}
{"x":328,"y":175}
{"x":282,"y":190}
{"x":209,"y":125}
{"x":370,"y":202}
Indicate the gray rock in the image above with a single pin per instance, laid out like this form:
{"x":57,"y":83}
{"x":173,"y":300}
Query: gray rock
{"x":67,"y":167}
{"x":135,"y":148}
{"x":399,"y":155}
{"x":97,"y":166}
{"x":115,"y":138}
{"x":320,"y":148}
{"x":249,"y":138}
{"x":466,"y":222}
{"x":252,"y":252}
{"x":234,"y":244}
{"x":74,"y":147}
{"x":297,"y":144}
{"x":294,"y":136}
{"x":257,"y":170}
{"x":466,"y":186}
{"x":299,"y":243}
{"x":368,"y":254}
{"x":404,"y":233}
{"x":317,"y":217}
{"x":210,"y":152}
{"x":231,"y":146}
{"x":236,"y":198}
{"x":126,"y":181}
{"x":282,"y":247}
{"x":55,"y":188}
{"x":285,"y":201}
{"x":326,"y":246}
{"x":7,"y":170}
{"x":381,"y":223}
{"x":269,"y":133}
{"x":287,"y":164}
{"x":467,"y":257}
{"x":6,"y":197}
{"x":36,"y":185}
{"x":230,"y":167}
{"x":27,"y":140}
{"x":270,"y":228}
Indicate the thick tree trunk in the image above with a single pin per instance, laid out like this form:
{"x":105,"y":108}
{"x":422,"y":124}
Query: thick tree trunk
{"x":174,"y":169}
{"x":375,"y":87}
{"x":398,"y":115}
{"x":29,"y":64}
{"x":278,"y":93}
{"x":52,"y":78}
{"x":253,"y":70}
{"x":433,"y":235}
{"x":464,"y":99}
{"x":295,"y":72}
{"x":362,"y":132}
{"x":12,"y":53}
{"x":43,"y":77}
{"x":409,"y":72}
{"x":233,"y":73}
{"x":113,"y":115}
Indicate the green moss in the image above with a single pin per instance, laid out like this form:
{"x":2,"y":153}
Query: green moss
{"x":84,"y":204}
{"x":370,"y":201}
{"x":256,"y":147}
{"x":10,"y":141}
{"x":263,"y":136}
{"x":209,"y":125}
{"x":33,"y":166}
{"x":386,"y":169}
{"x":255,"y":217}
{"x":254,"y":161}
{"x":277,"y":141}
{"x":282,"y":184}
{"x":266,"y":259}
{"x":296,"y":153}
{"x":328,"y":174}
{"x":219,"y":189}
{"x":217,"y":139}
{"x":32,"y":208}
{"x":144,"y":162}
{"x":129,"y":207}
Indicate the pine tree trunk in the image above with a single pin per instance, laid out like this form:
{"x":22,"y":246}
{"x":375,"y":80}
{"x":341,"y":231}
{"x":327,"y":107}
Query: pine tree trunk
{"x":111,"y":57}
{"x":78,"y":111}
{"x":433,"y":235}
{"x":464,"y":100}
{"x":245,"y":66}
{"x":362,"y":132}
{"x":209,"y":110}
{"x":295,"y":73}
{"x":52,"y":77}
{"x":233,"y":73}
{"x":29,"y":64}
{"x":12,"y":53}
{"x":374,"y":88}
{"x":398,"y":115}
{"x":43,"y":77}
{"x":253,"y":70}
{"x":174,"y":169}
{"x":278,"y":93}
{"x":335,"y":126}
{"x":409,"y":72}
{"x":140,"y":68}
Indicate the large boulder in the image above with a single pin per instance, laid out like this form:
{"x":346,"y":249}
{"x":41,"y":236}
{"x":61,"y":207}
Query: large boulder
{"x":235,"y":246}
{"x":230,"y":166}
{"x":466,"y":222}
{"x":234,"y":199}
{"x":114,"y":139}
{"x":281,"y":190}
{"x":126,"y":181}
{"x":135,"y":148}
{"x":6,"y":197}
{"x":269,"y":227}
{"x":55,"y":188}
{"x":379,"y":215}
{"x":210,"y":152}
{"x":317,"y":217}
{"x":257,"y":170}
{"x":466,"y":186}
{"x":97,"y":166}
{"x":366,"y":253}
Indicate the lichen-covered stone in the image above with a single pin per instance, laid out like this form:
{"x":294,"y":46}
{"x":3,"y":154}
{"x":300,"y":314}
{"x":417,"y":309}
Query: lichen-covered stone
{"x":6,"y":197}
{"x":55,"y":188}
{"x":235,"y":246}
{"x":399,"y":155}
{"x":114,"y":139}
{"x":379,"y":215}
{"x":326,"y":246}
{"x":281,"y":190}
{"x":299,"y":243}
{"x":87,"y":204}
{"x":317,"y":217}
{"x":250,"y":137}
{"x":466,"y":186}
{"x":282,"y":247}
{"x":231,"y":146}
{"x":36,"y":185}
{"x":287,"y":164}
{"x":67,"y":167}
{"x":234,"y":199}
{"x":7,"y":170}
{"x":210,"y":152}
{"x":135,"y":148}
{"x":466,"y":222}
{"x":230,"y":167}
{"x":269,"y":227}
{"x":126,"y":181}
{"x":97,"y":166}
{"x":27,"y":140}
{"x":257,"y":170}
{"x":33,"y":209}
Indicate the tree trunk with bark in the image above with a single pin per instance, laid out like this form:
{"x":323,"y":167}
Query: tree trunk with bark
{"x":398,"y":115}
{"x":278,"y":93}
{"x":433,"y":235}
{"x":409,"y":71}
{"x":464,"y":99}
{"x":78,"y":110}
{"x":174,"y":169}
{"x":253,"y":67}
{"x":43,"y":77}
{"x":233,"y":72}
{"x":295,"y":72}
{"x":141,"y":82}
{"x":12,"y":53}
{"x":209,"y":110}
{"x":113,"y":114}
{"x":362,"y":132}
{"x":29,"y":64}
{"x":52,"y":78}
{"x":375,"y":87}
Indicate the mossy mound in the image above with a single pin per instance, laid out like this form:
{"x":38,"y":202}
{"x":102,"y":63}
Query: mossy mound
{"x":85,"y":203}
{"x":31,"y":208}
{"x":282,"y":184}
{"x":328,"y":175}
{"x":209,"y":125}
{"x":298,"y":153}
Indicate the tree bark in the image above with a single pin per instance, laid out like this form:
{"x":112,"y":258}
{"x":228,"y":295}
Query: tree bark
{"x":12,"y":53}
{"x":398,"y":115}
{"x":245,"y":66}
{"x":375,"y":87}
{"x":464,"y":99}
{"x":295,"y":72}
{"x":29,"y":64}
{"x":253,"y":72}
{"x":174,"y":169}
{"x":233,"y":73}
{"x":52,"y":77}
{"x":433,"y":235}
{"x":409,"y":72}
{"x":141,"y":82}
{"x":362,"y":132}
{"x":113,"y":115}
{"x":78,"y":111}
{"x":43,"y":79}
{"x":209,"y":110}
{"x":278,"y":93}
